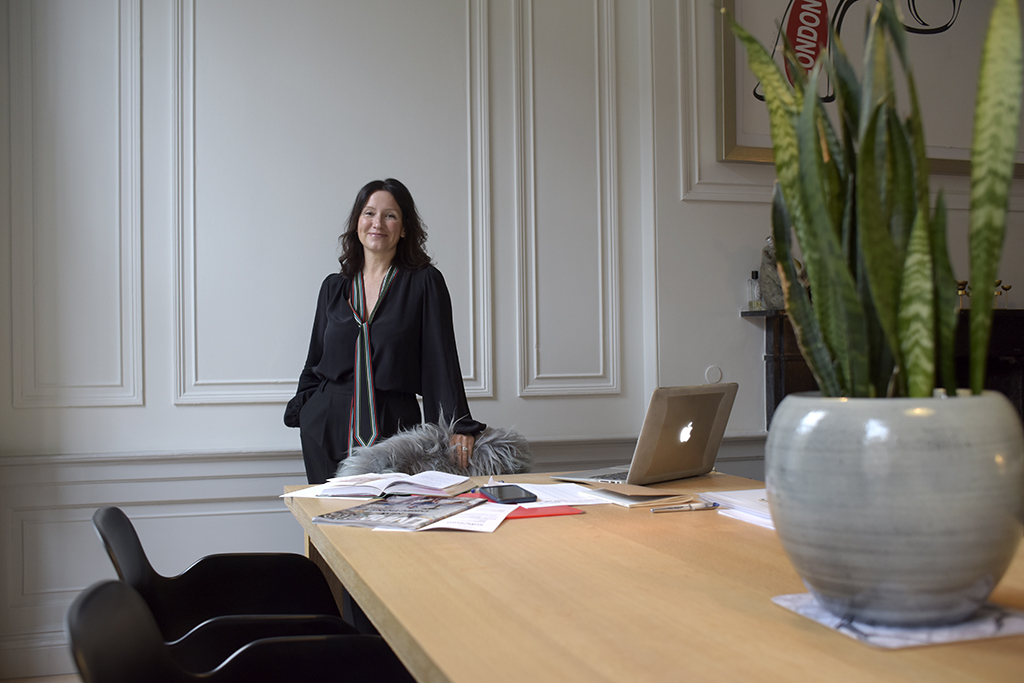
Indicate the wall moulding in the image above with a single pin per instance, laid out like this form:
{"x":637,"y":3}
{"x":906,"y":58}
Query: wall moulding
{"x":200,"y":384}
{"x":546,"y":378}
{"x":77,"y":324}
{"x":480,"y":380}
{"x":701,"y":176}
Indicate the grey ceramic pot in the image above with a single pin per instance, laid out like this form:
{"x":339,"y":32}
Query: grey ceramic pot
{"x":903,"y":512}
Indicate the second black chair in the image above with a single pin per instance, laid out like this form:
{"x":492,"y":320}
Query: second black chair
{"x":216,"y":585}
{"x":114,"y":639}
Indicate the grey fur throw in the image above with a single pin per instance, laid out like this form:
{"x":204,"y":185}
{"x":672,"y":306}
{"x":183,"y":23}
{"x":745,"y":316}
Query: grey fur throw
{"x":428,"y":447}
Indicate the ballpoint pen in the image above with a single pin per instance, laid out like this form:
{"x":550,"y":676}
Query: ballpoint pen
{"x":688,"y":506}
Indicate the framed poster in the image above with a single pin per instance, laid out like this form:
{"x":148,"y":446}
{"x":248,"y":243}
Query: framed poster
{"x":945,"y":40}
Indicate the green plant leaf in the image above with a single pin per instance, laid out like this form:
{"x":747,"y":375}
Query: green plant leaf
{"x":843,"y":150}
{"x":902,"y":184}
{"x":882,"y":260}
{"x":917,"y":313}
{"x":996,"y":123}
{"x":836,"y":303}
{"x":889,"y":19}
{"x":836,"y":174}
{"x":883,"y":375}
{"x":872,"y":88}
{"x":795,"y":69}
{"x":798,"y":303}
{"x":943,"y":285}
{"x":916,"y":132}
{"x":847,"y":88}
{"x":946,"y":316}
{"x":783,"y":105}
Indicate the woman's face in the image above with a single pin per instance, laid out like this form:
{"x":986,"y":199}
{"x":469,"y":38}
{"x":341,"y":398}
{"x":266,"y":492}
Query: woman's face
{"x":380,"y":224}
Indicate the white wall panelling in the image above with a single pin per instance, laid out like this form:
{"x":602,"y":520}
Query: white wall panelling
{"x":479,"y":380}
{"x":649,"y":199}
{"x":75,"y":214}
{"x":258,"y":138}
{"x":566,"y":187}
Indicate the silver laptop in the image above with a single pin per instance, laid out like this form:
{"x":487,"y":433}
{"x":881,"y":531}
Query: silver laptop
{"x":682,"y":431}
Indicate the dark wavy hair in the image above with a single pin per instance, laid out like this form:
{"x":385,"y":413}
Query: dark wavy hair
{"x":411,"y":252}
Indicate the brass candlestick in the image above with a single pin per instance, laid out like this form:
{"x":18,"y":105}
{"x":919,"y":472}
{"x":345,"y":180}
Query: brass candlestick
{"x":962,"y":291}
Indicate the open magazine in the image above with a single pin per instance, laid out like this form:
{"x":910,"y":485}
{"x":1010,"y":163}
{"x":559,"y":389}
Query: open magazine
{"x":429,"y":483}
{"x":407,"y":513}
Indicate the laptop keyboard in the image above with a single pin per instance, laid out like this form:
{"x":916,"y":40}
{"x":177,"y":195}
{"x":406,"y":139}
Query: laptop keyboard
{"x":612,"y":477}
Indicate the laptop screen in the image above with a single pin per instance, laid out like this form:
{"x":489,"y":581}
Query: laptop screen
{"x":682,"y":441}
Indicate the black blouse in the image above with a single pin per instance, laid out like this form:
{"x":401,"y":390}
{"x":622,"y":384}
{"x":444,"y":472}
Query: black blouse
{"x":412,"y":344}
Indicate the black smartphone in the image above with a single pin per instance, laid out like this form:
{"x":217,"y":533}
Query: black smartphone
{"x":508,"y":493}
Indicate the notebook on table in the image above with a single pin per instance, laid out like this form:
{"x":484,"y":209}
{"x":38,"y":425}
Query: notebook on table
{"x":680,"y":437}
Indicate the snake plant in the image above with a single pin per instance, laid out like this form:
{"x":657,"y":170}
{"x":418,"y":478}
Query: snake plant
{"x":883,"y":317}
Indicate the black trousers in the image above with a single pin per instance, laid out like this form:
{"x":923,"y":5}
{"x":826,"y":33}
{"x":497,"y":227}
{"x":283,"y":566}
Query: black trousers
{"x":323,"y":425}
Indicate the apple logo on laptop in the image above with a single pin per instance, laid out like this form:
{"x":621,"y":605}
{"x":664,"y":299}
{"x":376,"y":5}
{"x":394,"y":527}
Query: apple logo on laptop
{"x":685,"y":432}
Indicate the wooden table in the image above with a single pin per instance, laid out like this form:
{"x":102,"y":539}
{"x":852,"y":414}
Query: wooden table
{"x":619,"y":595}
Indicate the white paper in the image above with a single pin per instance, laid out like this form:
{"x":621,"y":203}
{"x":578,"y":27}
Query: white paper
{"x":751,"y":500}
{"x":749,"y":505}
{"x":438,"y":480}
{"x":550,"y":495}
{"x":363,"y":478}
{"x":747,"y":517}
{"x":634,"y":501}
{"x":310,"y":492}
{"x":485,"y":517}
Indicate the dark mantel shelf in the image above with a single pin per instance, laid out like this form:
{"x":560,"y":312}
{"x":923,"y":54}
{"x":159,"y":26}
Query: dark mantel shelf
{"x":785,"y":371}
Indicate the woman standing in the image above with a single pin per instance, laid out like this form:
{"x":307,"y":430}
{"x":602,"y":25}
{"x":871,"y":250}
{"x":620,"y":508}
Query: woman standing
{"x":382,"y":334}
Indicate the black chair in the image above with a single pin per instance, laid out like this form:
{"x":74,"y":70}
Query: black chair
{"x":114,"y":638}
{"x":215,"y":640}
{"x":216,"y":585}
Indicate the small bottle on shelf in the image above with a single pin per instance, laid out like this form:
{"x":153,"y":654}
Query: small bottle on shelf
{"x":754,"y":293}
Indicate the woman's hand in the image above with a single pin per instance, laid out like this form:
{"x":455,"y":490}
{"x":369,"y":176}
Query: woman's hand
{"x":462,"y":447}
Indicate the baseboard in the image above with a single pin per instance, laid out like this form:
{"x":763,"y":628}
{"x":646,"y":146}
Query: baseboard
{"x":742,"y":456}
{"x":42,"y":654}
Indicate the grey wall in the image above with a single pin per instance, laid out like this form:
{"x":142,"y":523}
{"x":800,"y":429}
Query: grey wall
{"x":176,"y":173}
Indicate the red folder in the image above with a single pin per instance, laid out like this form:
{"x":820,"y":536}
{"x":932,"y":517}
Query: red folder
{"x":521,"y":513}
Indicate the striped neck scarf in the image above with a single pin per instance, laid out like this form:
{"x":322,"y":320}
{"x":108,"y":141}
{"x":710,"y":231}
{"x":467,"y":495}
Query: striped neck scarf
{"x":362,"y":419}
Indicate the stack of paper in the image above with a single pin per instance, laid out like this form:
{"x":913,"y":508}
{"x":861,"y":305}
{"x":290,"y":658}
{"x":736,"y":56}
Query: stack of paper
{"x":750,"y":505}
